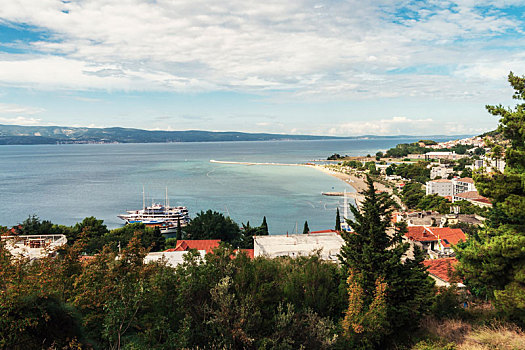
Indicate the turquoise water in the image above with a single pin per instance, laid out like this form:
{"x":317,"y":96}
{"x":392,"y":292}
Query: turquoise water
{"x":65,"y":183}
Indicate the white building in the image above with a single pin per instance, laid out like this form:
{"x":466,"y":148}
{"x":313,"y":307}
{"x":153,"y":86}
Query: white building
{"x":440,"y":171}
{"x":464,"y":184}
{"x":327,"y":244}
{"x":446,"y":188}
{"x":172,"y":258}
{"x":441,"y":187}
{"x":490,"y":165}
{"x":33,"y":246}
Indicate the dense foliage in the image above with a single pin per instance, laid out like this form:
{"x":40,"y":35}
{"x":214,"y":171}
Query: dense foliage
{"x":395,"y":291}
{"x":404,"y":149}
{"x":493,"y":260}
{"x":414,"y":171}
{"x":226,"y":301}
{"x":94,"y":233}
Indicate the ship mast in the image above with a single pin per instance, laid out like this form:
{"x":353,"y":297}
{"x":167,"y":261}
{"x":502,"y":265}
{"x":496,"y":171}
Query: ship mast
{"x":143,"y":198}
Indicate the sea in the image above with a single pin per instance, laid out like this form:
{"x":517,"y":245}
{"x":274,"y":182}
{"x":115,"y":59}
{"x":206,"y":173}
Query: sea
{"x":66,"y":183}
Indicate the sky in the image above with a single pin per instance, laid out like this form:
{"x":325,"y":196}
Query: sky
{"x":341,"y":68}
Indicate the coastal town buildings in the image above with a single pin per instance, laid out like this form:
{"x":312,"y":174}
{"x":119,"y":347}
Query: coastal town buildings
{"x":433,"y":218}
{"x":489,"y":164}
{"x":441,"y":171}
{"x":449,"y":188}
{"x":436,"y":242}
{"x":437,"y":155}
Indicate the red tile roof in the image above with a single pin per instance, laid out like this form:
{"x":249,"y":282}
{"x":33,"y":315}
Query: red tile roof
{"x":441,"y":267}
{"x":469,"y":195}
{"x":200,"y":244}
{"x":466,"y":179}
{"x":447,"y":235}
{"x":249,"y":252}
{"x":323,"y":231}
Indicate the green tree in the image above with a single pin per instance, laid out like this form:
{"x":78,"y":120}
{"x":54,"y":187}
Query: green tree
{"x":375,"y":251}
{"x":179,"y":229}
{"x":391,"y":170}
{"x":492,"y":262}
{"x":306,"y":229}
{"x":213,"y":225}
{"x":33,"y":226}
{"x":264,"y":227}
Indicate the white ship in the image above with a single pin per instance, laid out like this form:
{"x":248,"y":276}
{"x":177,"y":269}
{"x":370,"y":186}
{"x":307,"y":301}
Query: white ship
{"x":164,"y":216}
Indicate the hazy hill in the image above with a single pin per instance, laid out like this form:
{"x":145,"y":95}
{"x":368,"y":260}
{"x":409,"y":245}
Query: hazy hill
{"x":27,"y":135}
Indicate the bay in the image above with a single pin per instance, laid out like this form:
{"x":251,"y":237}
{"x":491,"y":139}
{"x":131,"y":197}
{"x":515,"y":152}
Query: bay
{"x":65,"y":183}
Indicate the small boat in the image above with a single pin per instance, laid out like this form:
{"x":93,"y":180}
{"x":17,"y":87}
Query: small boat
{"x":164,"y":216}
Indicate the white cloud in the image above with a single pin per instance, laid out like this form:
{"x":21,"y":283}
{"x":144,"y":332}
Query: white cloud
{"x":304,"y":49}
{"x":6,"y":108}
{"x":20,"y":120}
{"x":400,"y":126}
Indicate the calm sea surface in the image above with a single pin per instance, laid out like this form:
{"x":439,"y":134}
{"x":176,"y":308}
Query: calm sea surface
{"x":65,"y":183}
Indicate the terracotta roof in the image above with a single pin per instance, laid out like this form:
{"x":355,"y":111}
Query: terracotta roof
{"x":470,"y":195}
{"x":448,"y":236}
{"x":200,"y":244}
{"x":249,"y":252}
{"x":440,"y":267}
{"x":323,"y":231}
{"x":466,"y":179}
{"x":441,"y":180}
{"x":483,"y":200}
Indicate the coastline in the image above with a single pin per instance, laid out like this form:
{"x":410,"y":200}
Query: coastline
{"x":358,"y":184}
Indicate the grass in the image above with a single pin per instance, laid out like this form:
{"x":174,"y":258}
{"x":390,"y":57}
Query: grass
{"x":453,"y":334}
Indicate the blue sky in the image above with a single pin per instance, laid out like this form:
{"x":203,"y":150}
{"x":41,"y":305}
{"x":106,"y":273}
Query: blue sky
{"x":310,"y":67}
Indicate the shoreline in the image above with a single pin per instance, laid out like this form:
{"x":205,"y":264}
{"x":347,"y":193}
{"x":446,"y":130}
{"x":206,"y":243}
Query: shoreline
{"x":357,"y":183}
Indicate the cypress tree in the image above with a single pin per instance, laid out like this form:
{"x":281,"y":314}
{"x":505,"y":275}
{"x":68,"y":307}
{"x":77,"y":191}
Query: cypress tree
{"x":179,"y":229}
{"x":306,"y":229}
{"x":374,"y":252}
{"x":492,"y":262}
{"x":337,"y":220}
{"x":264,"y":227}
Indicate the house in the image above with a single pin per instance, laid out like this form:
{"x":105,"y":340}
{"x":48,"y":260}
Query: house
{"x":444,"y":155}
{"x":441,"y":187}
{"x":441,"y":171}
{"x":441,"y":269}
{"x":173,"y":258}
{"x":435,"y":241}
{"x":206,"y":245}
{"x":473,"y":197}
{"x":445,"y":188}
{"x":33,"y":246}
{"x":328,"y":244}
{"x":433,"y":218}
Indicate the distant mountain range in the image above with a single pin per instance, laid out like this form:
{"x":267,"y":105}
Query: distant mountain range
{"x":32,"y":135}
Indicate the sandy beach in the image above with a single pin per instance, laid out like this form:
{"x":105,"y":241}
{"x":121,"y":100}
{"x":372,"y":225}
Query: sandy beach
{"x":357,"y":183}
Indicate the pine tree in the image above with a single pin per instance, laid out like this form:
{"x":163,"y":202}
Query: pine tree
{"x":264,"y":227}
{"x":337,"y":221}
{"x":492,"y":262}
{"x":374,"y":252}
{"x":306,"y":229}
